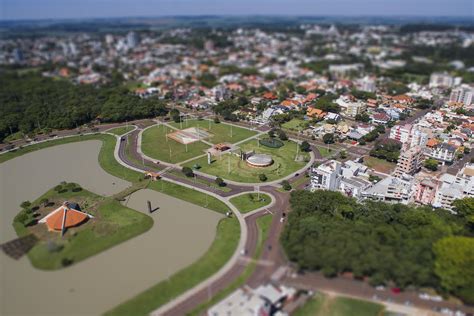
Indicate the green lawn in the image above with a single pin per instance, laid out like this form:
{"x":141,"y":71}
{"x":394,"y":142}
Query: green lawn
{"x":249,"y":202}
{"x":112,"y":224}
{"x":263,"y":224}
{"x":227,"y":238}
{"x":283,"y":165}
{"x":323,"y":305}
{"x":156,"y":145}
{"x":221,"y":132}
{"x":121,"y":130}
{"x":295,"y":124}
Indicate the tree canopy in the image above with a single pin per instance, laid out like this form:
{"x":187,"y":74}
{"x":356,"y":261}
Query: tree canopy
{"x":386,"y":242}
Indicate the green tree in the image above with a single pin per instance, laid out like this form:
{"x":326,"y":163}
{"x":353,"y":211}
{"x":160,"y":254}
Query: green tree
{"x":305,"y":146}
{"x":328,"y":138}
{"x":175,"y":115}
{"x":25,"y":204}
{"x":220,"y":182}
{"x":262,"y":177}
{"x":464,"y":207}
{"x":453,"y":265}
{"x":431,"y":164}
{"x":282,"y":135}
{"x":188,"y":172}
{"x":286,"y":185}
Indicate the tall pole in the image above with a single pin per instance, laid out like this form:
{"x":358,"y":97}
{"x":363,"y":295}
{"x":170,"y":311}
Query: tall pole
{"x":231,"y":131}
{"x":228,"y":164}
{"x":297,"y":149}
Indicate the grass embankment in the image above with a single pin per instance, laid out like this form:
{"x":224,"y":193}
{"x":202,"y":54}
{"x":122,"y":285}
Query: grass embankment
{"x":324,"y":151}
{"x":221,"y":132}
{"x":112,"y":224}
{"x":227,"y":238}
{"x":283,"y":163}
{"x":156,"y":145}
{"x":323,"y":305}
{"x":119,"y":131}
{"x":250,"y":201}
{"x":263,"y":224}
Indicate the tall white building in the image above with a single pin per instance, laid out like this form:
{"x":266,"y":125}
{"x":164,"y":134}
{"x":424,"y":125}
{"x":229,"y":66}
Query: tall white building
{"x":464,"y":94}
{"x":326,"y":176}
{"x":354,"y":108}
{"x":441,"y":79}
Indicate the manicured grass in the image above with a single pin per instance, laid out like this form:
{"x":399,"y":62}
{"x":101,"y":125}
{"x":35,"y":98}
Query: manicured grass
{"x":299,"y":181}
{"x":227,"y":238}
{"x":323,"y":305}
{"x":283,"y":165}
{"x":112,"y":224}
{"x":249,"y":202}
{"x":211,"y":184}
{"x":221,"y":132}
{"x":190,"y":195}
{"x":379,"y":165}
{"x":263,"y":224}
{"x":156,"y":145}
{"x":295,"y":125}
{"x":120,"y":130}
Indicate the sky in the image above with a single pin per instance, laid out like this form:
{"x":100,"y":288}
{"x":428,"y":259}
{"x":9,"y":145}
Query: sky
{"x":61,"y":9}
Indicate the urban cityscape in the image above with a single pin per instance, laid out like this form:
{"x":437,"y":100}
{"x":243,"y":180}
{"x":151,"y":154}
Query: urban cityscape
{"x":235,"y":164}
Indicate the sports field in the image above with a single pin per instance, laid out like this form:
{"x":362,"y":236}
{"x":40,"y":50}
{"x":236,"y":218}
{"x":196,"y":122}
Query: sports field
{"x":221,"y":132}
{"x":230,"y":166}
{"x":156,"y":145}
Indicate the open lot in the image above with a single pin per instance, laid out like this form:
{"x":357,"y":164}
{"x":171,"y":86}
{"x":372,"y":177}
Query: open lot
{"x":324,"y":305}
{"x":156,"y":145}
{"x":295,"y":124}
{"x":221,"y":132}
{"x":379,"y":165}
{"x":283,"y":165}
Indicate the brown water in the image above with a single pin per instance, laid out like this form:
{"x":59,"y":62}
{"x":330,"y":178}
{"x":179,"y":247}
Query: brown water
{"x":182,"y":232}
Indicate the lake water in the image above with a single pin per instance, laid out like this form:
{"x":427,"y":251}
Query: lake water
{"x":181,"y":233}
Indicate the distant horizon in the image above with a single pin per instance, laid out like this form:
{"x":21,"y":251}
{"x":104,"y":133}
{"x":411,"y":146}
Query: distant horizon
{"x":197,"y":16}
{"x":26,"y":10}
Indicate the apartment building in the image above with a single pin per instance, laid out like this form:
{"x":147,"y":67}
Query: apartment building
{"x":409,"y":162}
{"x":326,"y":176}
{"x":464,"y":94}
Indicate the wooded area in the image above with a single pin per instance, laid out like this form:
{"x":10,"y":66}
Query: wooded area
{"x":31,"y":103}
{"x":390,"y":243}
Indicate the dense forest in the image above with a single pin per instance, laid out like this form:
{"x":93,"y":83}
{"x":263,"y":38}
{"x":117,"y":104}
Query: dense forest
{"x":31,"y":103}
{"x":390,"y":243}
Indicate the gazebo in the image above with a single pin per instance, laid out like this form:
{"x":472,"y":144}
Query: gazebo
{"x":65,"y":216}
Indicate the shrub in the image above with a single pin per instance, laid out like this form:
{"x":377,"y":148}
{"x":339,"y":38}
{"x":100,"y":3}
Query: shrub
{"x":220,"y":182}
{"x":188,"y":172}
{"x":262,"y":177}
{"x":286,"y":185}
{"x":271,"y":142}
{"x":25,"y":204}
{"x":282,"y":135}
{"x":328,"y":138}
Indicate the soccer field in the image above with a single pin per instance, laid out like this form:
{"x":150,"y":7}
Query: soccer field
{"x":156,"y":145}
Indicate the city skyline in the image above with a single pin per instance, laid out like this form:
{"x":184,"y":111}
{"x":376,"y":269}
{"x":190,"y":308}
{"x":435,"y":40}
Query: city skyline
{"x":54,"y":9}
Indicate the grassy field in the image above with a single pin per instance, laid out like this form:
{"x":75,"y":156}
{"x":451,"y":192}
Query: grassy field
{"x":112,"y":224}
{"x":156,"y":145}
{"x":379,"y":165}
{"x":323,"y":305}
{"x":221,"y":132}
{"x":249,"y":202}
{"x":227,"y":238}
{"x":283,"y":165}
{"x":263,"y":224}
{"x":120,"y":130}
{"x":295,"y":125}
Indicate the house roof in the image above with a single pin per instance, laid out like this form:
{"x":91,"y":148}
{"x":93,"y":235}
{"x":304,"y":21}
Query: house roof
{"x":311,"y":112}
{"x":70,"y":216}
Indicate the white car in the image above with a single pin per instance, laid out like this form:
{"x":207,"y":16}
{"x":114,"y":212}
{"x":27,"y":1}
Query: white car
{"x":436,"y":298}
{"x":424,"y":296}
